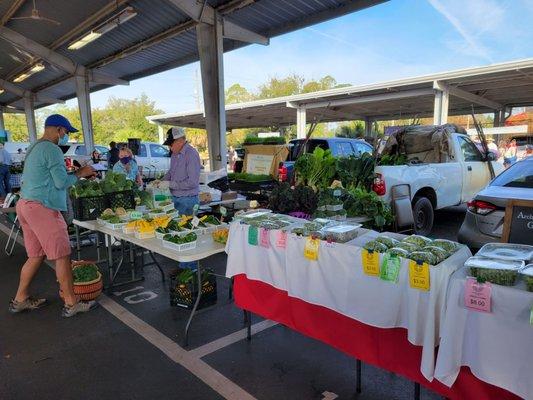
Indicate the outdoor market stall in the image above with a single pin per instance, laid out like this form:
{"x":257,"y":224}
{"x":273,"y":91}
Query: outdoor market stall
{"x":338,"y":294}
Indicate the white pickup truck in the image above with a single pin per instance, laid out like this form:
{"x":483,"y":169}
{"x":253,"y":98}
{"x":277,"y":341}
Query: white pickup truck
{"x":445,"y":168}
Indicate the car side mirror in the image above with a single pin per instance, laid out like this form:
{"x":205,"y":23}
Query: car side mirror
{"x":490,"y":156}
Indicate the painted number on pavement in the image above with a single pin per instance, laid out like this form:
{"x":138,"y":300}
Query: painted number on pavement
{"x":137,"y":297}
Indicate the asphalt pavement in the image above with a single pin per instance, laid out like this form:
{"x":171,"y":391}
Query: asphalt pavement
{"x":132,"y":347}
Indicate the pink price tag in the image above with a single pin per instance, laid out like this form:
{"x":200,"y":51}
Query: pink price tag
{"x":282,"y":239}
{"x":264,"y":238}
{"x":477,"y":295}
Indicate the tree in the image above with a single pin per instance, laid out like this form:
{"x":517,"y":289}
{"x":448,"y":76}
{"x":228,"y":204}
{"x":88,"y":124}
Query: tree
{"x":352,"y":129}
{"x":276,"y":87}
{"x":237,"y":94}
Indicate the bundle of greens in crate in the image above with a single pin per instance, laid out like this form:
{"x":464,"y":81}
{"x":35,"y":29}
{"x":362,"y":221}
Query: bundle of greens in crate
{"x":88,"y":200}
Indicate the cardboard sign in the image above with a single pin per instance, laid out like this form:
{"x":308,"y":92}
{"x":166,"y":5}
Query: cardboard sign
{"x":259,"y":164}
{"x":281,"y":240}
{"x":311,"y":248}
{"x":370,"y":261}
{"x":390,"y":268}
{"x":518,"y":222}
{"x":264,"y":238}
{"x":252,"y":235}
{"x":477,"y":295}
{"x":419,"y":275}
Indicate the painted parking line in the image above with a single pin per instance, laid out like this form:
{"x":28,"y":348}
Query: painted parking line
{"x":211,"y":377}
{"x":235,"y":337}
{"x":203,"y":371}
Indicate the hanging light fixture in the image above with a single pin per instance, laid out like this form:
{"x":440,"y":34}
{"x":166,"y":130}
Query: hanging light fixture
{"x":26,"y":74}
{"x":116,"y":20}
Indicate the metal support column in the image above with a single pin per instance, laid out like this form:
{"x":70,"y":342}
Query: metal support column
{"x":301,"y":123}
{"x":161,"y":133}
{"x":30,"y":118}
{"x":84,"y":105}
{"x":440,"y":110}
{"x":210,"y":48}
{"x":2,"y":125}
{"x":368,"y":127}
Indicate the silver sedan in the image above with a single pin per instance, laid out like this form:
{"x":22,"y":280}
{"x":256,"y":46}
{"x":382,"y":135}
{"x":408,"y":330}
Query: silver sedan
{"x":484,"y":218}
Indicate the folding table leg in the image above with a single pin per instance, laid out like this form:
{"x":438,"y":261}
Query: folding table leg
{"x":248,"y":325}
{"x":196,"y":303}
{"x":417,"y":391}
{"x":358,"y":367}
{"x":157,"y":265}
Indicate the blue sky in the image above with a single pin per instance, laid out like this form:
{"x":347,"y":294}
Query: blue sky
{"x":401,"y":38}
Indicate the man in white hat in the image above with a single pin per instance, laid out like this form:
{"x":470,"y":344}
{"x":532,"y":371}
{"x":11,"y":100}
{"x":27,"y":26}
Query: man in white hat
{"x":184,"y":174}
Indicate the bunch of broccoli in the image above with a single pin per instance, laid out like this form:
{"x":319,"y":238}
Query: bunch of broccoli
{"x":115,"y":182}
{"x":86,"y":188}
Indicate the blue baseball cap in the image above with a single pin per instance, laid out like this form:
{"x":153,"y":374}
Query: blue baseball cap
{"x":59,"y":120}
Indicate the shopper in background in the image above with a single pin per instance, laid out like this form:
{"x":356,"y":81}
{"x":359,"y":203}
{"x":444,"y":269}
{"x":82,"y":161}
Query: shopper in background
{"x":112,"y":157}
{"x":43,"y":198}
{"x":128,"y":166}
{"x":510,"y":157}
{"x":5,"y":176}
{"x":184,"y":175}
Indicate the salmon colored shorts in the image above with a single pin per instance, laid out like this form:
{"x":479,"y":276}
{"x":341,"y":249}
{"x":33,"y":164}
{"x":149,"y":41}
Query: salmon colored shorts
{"x":45,"y":230}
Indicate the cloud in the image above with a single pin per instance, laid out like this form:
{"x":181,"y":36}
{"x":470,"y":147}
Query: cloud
{"x":471,"y":13}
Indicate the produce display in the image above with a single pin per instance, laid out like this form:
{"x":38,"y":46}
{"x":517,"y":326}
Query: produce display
{"x":446,"y":245}
{"x":147,"y":225}
{"x":423,"y":256}
{"x":220,"y":236}
{"x":211,"y":220}
{"x":116,"y":216}
{"x":250,"y":178}
{"x":527,"y":274}
{"x":85,"y":273}
{"x":438,"y":252}
{"x":387,"y":241}
{"x":340,"y":233}
{"x":374,"y":245}
{"x":86,"y":188}
{"x":356,"y":172}
{"x":507,"y":251}
{"x":417,"y":240}
{"x":176,"y":239}
{"x":115,"y":182}
{"x":363,"y":202}
{"x":398,"y":252}
{"x":501,"y":272}
{"x":315,"y":169}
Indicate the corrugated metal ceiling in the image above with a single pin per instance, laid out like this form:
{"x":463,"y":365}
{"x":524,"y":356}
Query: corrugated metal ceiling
{"x":267,"y":17}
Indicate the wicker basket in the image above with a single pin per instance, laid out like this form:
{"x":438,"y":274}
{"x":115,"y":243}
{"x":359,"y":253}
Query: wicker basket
{"x":86,"y":291}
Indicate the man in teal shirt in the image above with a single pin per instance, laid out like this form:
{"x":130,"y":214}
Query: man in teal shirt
{"x":43,"y":196}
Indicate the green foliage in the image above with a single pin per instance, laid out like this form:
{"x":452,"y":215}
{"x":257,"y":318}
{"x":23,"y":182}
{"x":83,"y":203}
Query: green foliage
{"x":315,"y":169}
{"x":237,"y":94}
{"x":246,"y":177}
{"x":115,"y":182}
{"x":356,"y":172}
{"x":367,"y":203}
{"x":396,"y":159}
{"x":282,"y":199}
{"x":85,"y":273}
{"x":267,"y":140}
{"x":86,"y":188}
{"x":352,"y":129}
{"x":306,"y":199}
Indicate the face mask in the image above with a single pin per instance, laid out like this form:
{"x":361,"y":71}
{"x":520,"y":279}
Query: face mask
{"x":63,"y":141}
{"x":125,"y":160}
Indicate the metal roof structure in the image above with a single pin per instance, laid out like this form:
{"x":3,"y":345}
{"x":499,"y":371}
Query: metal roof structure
{"x":490,"y":88}
{"x":161,"y":36}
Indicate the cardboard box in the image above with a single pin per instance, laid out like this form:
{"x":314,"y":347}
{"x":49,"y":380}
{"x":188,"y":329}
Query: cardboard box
{"x":263,"y":159}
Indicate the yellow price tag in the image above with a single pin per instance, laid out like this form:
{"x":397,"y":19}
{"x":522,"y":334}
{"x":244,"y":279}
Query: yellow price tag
{"x":311,"y":248}
{"x":203,"y":218}
{"x":419,"y":275}
{"x":370,"y":261}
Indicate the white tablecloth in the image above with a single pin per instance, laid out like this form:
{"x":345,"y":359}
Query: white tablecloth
{"x":337,"y":281}
{"x":498,"y":347}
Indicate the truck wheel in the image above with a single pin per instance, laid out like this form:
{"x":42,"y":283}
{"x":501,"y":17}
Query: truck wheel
{"x":423,"y":215}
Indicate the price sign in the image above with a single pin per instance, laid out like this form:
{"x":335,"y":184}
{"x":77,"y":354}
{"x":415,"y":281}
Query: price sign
{"x":370,"y":260}
{"x":337,"y":193}
{"x":390,"y":269}
{"x":136,"y":215}
{"x":311,"y":248}
{"x":195,"y":221}
{"x":281,"y":240}
{"x":477,"y":295}
{"x":223,"y":211}
{"x":264,"y":238}
{"x":195,"y":209}
{"x":252,"y":235}
{"x":419,"y":275}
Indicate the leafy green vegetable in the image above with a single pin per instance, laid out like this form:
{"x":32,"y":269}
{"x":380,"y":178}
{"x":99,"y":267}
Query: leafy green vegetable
{"x":356,"y":172}
{"x":115,"y":182}
{"x":316,"y":169}
{"x":251,"y":178}
{"x":375,"y":246}
{"x":267,"y":140}
{"x":86,"y":188}
{"x":396,"y":159}
{"x":282,"y":199}
{"x":190,"y":237}
{"x":367,"y":203}
{"x":85,"y":273}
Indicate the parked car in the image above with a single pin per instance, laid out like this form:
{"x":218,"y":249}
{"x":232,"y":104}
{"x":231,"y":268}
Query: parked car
{"x":17,"y":150}
{"x":435,"y":185}
{"x":154,"y":159}
{"x":484,"y":218}
{"x":76,"y":154}
{"x":340,"y":147}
